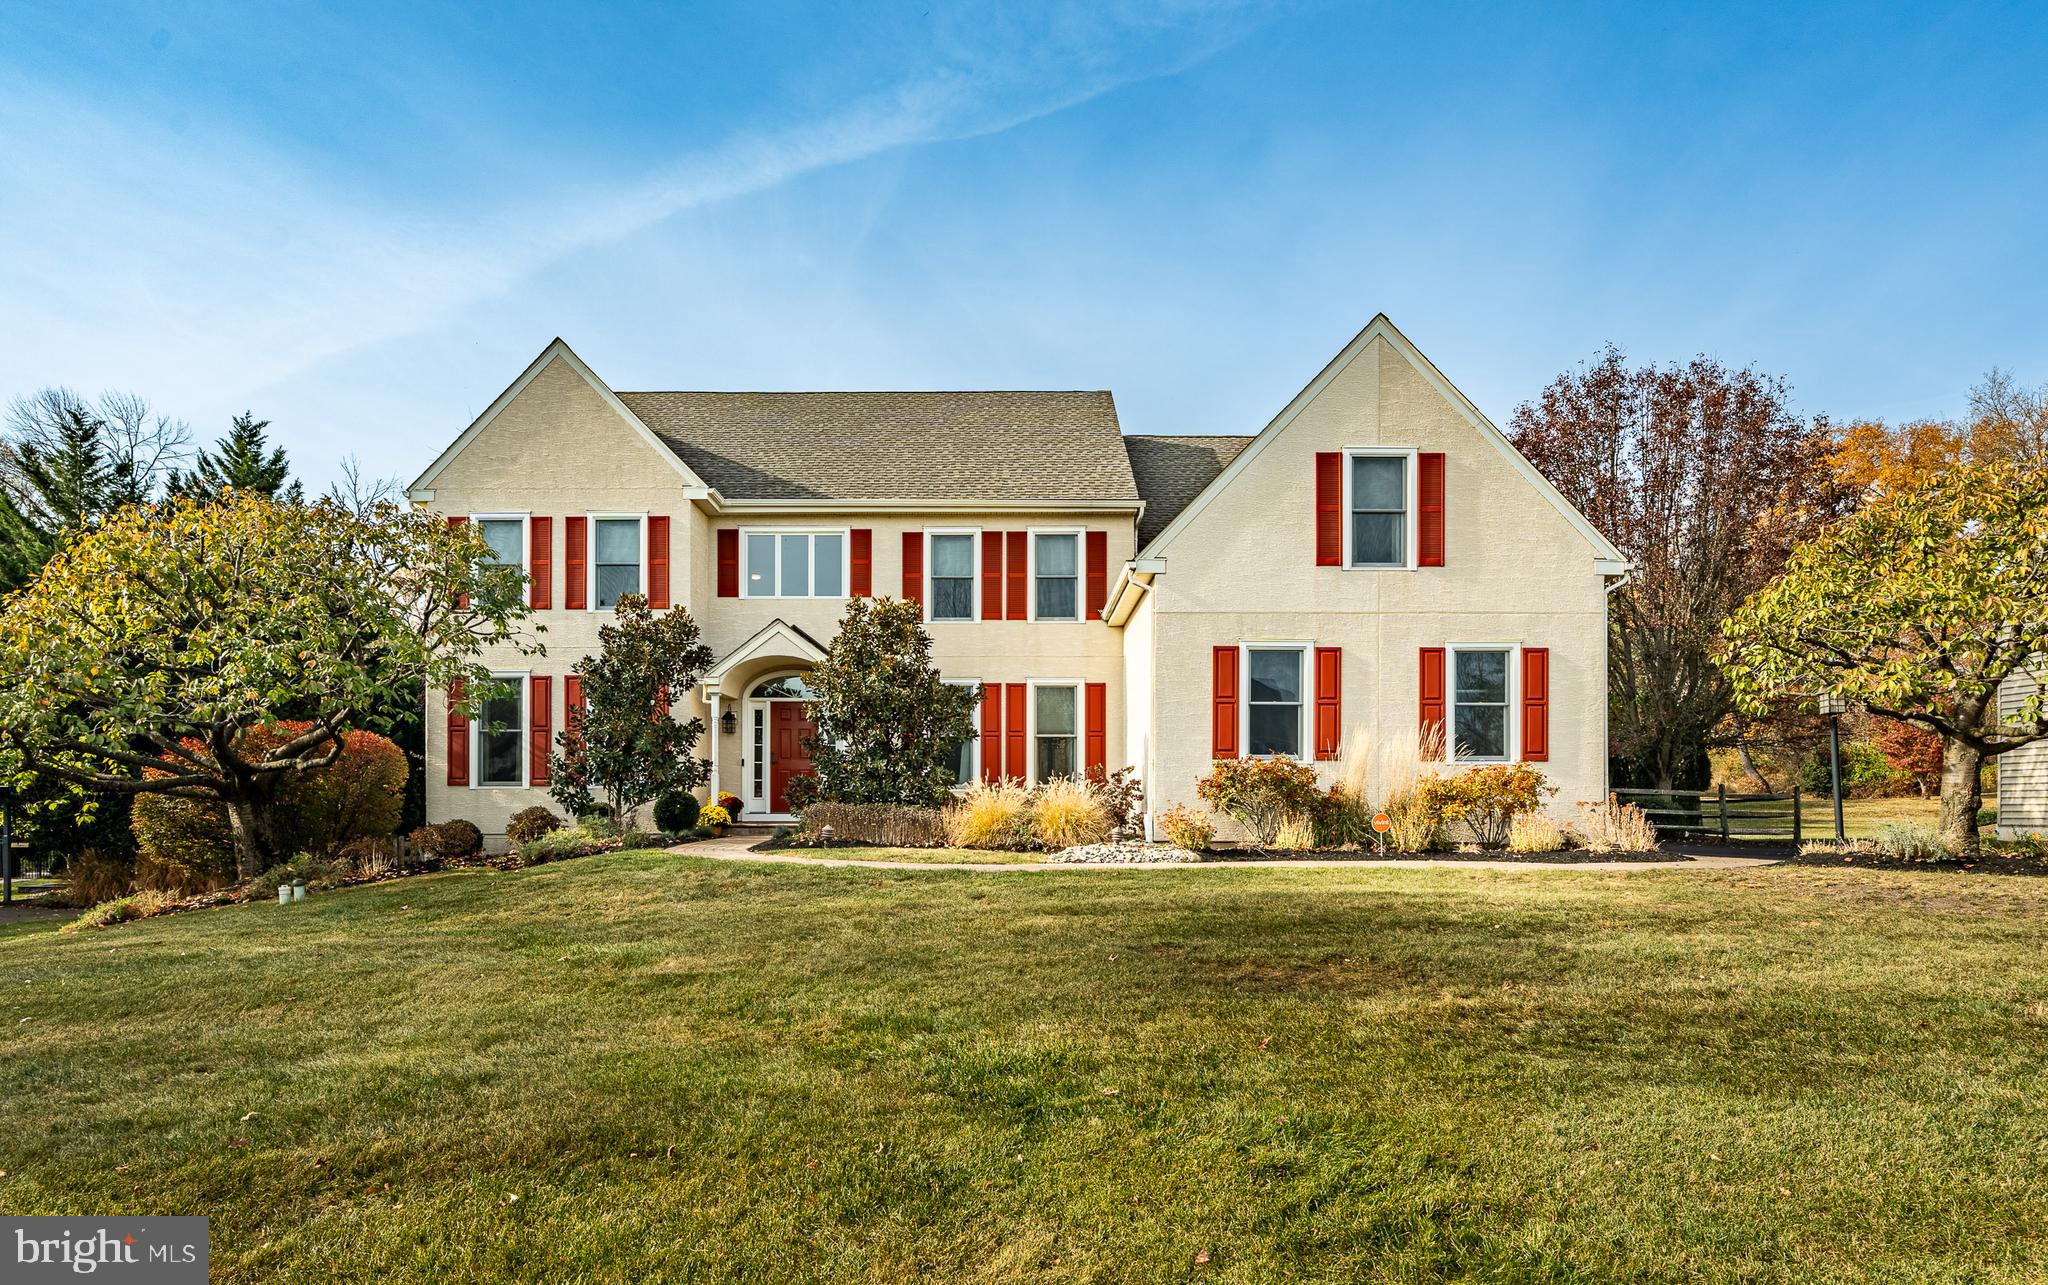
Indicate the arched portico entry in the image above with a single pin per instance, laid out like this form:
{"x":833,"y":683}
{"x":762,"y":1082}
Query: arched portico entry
{"x":759,"y":712}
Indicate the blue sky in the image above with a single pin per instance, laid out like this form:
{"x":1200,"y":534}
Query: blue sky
{"x":363,"y":220}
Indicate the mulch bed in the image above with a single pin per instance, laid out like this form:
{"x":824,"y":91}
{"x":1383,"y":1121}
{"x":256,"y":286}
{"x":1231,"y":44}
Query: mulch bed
{"x":1366,"y":856}
{"x":1991,"y":863}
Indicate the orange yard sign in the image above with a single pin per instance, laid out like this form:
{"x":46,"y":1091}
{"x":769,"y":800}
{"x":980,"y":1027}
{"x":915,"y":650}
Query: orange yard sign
{"x":1382,"y":822}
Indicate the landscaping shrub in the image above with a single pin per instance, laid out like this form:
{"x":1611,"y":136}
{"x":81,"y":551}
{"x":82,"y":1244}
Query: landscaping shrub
{"x":1866,"y":773}
{"x":1385,"y":774}
{"x":146,"y":904}
{"x":1614,"y":826}
{"x":316,"y":870}
{"x":1532,"y":832}
{"x":1486,"y":799}
{"x":1122,"y":796}
{"x":676,"y":812}
{"x":1260,"y":794}
{"x":528,"y":824}
{"x":569,"y":841}
{"x":181,"y":844}
{"x":1904,"y":841}
{"x":1187,"y":829}
{"x":1297,"y":833}
{"x":885,"y":825}
{"x":704,"y":832}
{"x":1066,"y":813}
{"x":368,"y":857}
{"x":990,"y":816}
{"x":91,"y":877}
{"x":450,"y":840}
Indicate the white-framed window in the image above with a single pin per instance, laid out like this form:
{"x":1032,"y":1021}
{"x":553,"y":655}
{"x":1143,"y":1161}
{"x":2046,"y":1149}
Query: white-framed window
{"x":1380,"y":508}
{"x":618,"y":557}
{"x":506,"y":534}
{"x":1275,"y":700}
{"x":966,"y":755}
{"x":497,"y":748}
{"x":951,"y":573}
{"x":1483,"y":725}
{"x":1055,"y":575}
{"x":781,"y":563}
{"x":1055,"y":730}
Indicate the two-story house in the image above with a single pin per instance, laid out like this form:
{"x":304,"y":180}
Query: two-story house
{"x":1377,"y":552}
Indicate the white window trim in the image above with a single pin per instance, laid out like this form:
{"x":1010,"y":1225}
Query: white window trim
{"x":845,"y":535}
{"x":1031,"y":535}
{"x":1410,"y":485}
{"x":525,"y":521}
{"x":521,"y":679}
{"x":974,"y":741}
{"x":1080,"y":688}
{"x":973,"y":574}
{"x":1306,"y":651}
{"x":590,"y":553}
{"x":1514,"y":699}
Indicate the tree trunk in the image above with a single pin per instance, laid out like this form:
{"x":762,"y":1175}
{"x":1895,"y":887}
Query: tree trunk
{"x":250,"y":825}
{"x":1749,"y":766}
{"x":1962,"y":794}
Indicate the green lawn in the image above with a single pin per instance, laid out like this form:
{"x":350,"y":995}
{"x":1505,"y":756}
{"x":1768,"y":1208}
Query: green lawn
{"x":923,"y":856}
{"x":684,"y":1068}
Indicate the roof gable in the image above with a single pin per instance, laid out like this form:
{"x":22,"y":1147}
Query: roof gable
{"x":1380,"y":327}
{"x":555,"y":351}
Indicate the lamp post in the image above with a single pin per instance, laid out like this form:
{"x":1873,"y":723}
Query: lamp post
{"x":1834,"y":707}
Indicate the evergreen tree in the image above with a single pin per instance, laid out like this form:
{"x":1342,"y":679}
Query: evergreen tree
{"x":62,"y":485}
{"x":888,"y":725}
{"x":624,"y":749}
{"x":243,"y":460}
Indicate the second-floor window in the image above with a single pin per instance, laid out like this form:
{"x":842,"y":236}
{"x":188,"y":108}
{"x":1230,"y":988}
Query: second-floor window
{"x":796,"y":564}
{"x":507,"y":538}
{"x":1379,"y":510}
{"x":616,"y":567}
{"x":1056,"y":571}
{"x":952,"y":592}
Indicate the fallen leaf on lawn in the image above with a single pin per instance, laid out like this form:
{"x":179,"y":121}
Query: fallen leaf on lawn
{"x":250,"y":1116}
{"x":1201,"y":1258}
{"x":1110,"y":1093}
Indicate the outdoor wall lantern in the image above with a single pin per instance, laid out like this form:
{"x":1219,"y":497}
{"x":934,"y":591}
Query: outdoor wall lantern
{"x":728,"y":723}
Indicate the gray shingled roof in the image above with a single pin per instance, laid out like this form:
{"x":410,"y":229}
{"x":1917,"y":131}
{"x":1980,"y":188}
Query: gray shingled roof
{"x":896,"y":446}
{"x":1171,"y":472}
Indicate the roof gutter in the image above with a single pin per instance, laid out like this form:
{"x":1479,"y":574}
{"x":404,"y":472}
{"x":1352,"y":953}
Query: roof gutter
{"x":1132,"y":584}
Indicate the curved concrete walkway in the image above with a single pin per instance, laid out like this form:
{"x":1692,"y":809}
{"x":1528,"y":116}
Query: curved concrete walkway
{"x":741,"y":849}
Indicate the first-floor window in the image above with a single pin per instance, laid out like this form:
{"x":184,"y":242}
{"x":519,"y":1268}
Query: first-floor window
{"x":952,"y":596}
{"x":1057,"y":728}
{"x":500,"y":732}
{"x":796,"y":564}
{"x":963,"y":753}
{"x":1273,"y":701}
{"x":618,"y":559}
{"x":1479,"y":700}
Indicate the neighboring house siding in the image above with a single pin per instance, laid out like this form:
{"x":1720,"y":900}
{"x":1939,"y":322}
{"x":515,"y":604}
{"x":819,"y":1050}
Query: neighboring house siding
{"x":2022,"y":773}
{"x":1244,"y":569}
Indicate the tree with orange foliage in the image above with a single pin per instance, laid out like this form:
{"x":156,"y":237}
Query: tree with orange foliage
{"x":1912,"y":751}
{"x":2008,"y":424}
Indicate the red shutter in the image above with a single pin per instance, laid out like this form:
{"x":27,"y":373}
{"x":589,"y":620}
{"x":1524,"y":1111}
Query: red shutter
{"x":1016,"y":763}
{"x":863,"y":557}
{"x":1329,"y":508}
{"x":540,"y":728}
{"x":991,"y":732}
{"x":1097,"y":744}
{"x":1017,"y":557}
{"x":574,"y":580}
{"x":461,"y":599}
{"x":657,"y":563}
{"x":661,"y":705}
{"x":1223,"y":703}
{"x":1429,"y":486}
{"x":540,"y":537}
{"x":1098,"y":572}
{"x":1432,"y":690}
{"x":1535,"y":704}
{"x":458,"y":737}
{"x":913,"y":567}
{"x":991,"y":575}
{"x":572,"y":702}
{"x":1329,"y":702}
{"x":728,"y":562}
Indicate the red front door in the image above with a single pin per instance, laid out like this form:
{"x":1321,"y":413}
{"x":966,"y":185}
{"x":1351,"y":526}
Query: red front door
{"x":789,"y":752}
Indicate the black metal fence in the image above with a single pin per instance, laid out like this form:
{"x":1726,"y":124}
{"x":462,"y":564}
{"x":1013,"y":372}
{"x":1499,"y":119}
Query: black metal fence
{"x":1718,"y":814}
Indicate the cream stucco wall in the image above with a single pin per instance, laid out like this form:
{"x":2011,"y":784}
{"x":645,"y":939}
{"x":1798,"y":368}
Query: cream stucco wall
{"x":1243,"y":569}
